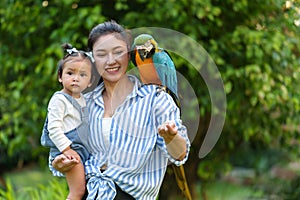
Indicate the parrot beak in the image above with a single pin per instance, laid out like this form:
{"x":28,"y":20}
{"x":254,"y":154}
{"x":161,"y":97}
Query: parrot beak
{"x":143,"y":54}
{"x":145,"y":51}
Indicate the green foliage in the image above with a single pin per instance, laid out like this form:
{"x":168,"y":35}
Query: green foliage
{"x":259,"y":62}
{"x":9,"y":193}
{"x":55,"y":189}
{"x":291,"y":190}
{"x":255,"y":45}
{"x":227,"y":191}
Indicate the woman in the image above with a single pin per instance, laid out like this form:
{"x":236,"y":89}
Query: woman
{"x":134,"y":128}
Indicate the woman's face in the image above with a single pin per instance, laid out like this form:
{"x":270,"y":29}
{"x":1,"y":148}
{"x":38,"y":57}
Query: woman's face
{"x":111,"y":57}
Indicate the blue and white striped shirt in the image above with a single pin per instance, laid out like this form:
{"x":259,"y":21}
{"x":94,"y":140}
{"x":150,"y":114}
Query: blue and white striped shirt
{"x":137,"y":156}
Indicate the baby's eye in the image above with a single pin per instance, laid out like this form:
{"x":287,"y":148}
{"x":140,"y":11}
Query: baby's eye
{"x":83,"y":74}
{"x":69,"y":73}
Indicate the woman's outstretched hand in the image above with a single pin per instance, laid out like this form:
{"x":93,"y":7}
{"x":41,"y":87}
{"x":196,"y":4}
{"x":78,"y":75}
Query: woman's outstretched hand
{"x":64,"y":164}
{"x":176,"y":145}
{"x":168,"y":130}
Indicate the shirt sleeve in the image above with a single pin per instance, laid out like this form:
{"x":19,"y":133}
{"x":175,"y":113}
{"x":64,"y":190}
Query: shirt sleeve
{"x":166,"y":110}
{"x":56,"y":112}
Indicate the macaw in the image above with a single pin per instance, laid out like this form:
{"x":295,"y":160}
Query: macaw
{"x":154,"y":63}
{"x":156,"y":66}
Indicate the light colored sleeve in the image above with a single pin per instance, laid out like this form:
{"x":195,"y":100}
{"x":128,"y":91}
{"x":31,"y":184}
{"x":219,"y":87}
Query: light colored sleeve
{"x":56,"y":112}
{"x":166,"y":110}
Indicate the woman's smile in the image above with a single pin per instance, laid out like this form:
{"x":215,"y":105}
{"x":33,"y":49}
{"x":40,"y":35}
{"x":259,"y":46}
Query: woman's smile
{"x":112,"y":69}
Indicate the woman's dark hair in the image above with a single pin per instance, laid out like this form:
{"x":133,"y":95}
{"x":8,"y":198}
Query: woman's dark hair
{"x":107,"y":28}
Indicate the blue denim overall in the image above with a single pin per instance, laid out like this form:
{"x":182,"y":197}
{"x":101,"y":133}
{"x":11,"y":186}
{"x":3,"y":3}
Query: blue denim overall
{"x":78,"y":135}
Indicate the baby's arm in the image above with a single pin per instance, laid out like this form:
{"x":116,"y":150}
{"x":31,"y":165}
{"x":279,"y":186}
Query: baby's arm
{"x":56,"y":113}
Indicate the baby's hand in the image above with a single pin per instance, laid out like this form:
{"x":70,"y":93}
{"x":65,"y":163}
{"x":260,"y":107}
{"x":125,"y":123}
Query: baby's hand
{"x":168,"y":130}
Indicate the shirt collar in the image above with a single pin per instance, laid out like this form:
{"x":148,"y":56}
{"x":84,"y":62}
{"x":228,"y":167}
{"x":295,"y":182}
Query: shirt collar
{"x":136,"y":88}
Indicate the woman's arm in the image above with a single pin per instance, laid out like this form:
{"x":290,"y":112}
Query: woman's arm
{"x":63,"y":164}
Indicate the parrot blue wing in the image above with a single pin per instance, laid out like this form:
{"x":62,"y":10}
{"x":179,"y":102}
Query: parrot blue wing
{"x":165,"y":69}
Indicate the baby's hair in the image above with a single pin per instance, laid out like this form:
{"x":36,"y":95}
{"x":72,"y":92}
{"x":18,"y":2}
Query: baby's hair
{"x":66,"y":46}
{"x":73,"y":54}
{"x":61,"y":63}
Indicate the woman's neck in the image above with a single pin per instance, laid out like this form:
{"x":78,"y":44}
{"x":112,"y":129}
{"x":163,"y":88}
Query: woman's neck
{"x":115,"y":94}
{"x":116,"y":89}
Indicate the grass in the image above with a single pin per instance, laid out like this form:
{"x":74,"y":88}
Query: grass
{"x":35,"y":183}
{"x":30,"y":177}
{"x":31,"y":184}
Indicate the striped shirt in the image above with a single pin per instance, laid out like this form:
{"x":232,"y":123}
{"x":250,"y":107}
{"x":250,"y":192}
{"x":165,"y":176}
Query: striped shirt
{"x":136,"y":157}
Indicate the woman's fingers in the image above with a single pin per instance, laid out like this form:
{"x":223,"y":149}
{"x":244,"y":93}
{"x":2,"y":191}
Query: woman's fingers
{"x":63,"y":163}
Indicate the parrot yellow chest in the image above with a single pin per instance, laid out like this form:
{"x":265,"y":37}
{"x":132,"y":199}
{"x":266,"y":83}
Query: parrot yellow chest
{"x":147,"y":70}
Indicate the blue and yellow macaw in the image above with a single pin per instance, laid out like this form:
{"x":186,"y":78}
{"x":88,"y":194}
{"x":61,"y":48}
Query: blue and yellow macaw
{"x":156,"y":66}
{"x":154,"y":63}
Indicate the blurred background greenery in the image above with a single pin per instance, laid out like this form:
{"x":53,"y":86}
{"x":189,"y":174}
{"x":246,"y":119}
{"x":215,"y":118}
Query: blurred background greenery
{"x":255,"y":45}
